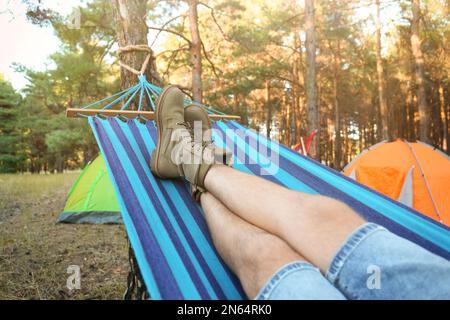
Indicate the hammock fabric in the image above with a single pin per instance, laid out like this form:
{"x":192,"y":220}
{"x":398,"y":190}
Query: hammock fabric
{"x":166,"y":227}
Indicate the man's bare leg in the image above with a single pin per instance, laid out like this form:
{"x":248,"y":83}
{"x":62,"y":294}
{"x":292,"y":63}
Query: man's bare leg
{"x":253,"y":254}
{"x":315,"y":226}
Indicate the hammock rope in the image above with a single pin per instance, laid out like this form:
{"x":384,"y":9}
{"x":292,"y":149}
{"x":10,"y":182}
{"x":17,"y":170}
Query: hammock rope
{"x":140,"y":94}
{"x":110,"y":106}
{"x":138,"y":47}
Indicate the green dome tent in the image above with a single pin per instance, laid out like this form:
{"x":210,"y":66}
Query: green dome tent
{"x":92,"y":198}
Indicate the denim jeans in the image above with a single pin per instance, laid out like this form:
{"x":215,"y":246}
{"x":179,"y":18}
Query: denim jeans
{"x":373,"y":263}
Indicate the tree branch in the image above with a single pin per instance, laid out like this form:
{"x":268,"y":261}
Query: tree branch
{"x":107,"y":50}
{"x":171,"y":59}
{"x":173,"y":32}
{"x":164,"y":26}
{"x":183,"y":48}
{"x":209,"y":60}
{"x":213,"y":15}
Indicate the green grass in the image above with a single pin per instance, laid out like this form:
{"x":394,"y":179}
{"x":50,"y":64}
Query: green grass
{"x":23,"y":189}
{"x":35,"y":252}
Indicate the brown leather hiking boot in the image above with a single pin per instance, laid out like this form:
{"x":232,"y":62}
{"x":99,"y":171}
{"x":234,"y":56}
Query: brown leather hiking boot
{"x":201,"y":130}
{"x":176,"y":153}
{"x":171,"y":131}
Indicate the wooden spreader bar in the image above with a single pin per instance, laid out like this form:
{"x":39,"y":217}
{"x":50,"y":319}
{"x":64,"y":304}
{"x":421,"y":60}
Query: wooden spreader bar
{"x":149,"y":115}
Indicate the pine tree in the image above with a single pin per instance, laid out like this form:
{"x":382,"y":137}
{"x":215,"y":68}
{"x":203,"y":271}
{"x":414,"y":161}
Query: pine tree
{"x":10,"y":138}
{"x":424,"y":112}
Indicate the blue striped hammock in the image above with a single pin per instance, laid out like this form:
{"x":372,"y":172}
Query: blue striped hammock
{"x":167,"y":229}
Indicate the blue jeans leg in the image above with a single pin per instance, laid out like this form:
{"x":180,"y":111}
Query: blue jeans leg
{"x":374,"y":263}
{"x":298,"y":280}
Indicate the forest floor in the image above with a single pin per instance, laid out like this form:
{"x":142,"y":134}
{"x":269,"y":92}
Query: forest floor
{"x":35,"y":251}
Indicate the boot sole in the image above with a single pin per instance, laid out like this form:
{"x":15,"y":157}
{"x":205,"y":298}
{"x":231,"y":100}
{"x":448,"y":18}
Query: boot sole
{"x":155,"y":154}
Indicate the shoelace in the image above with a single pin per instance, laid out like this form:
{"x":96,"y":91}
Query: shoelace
{"x":197,"y":147}
{"x":191,"y":133}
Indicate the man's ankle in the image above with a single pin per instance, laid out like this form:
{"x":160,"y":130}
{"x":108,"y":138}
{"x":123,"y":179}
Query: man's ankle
{"x":211,"y":173}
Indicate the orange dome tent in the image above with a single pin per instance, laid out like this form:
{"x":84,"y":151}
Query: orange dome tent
{"x":415,"y":174}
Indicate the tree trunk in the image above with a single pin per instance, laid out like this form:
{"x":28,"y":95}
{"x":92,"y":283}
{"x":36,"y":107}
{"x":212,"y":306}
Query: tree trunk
{"x":291,"y":117}
{"x":284,"y":132}
{"x":411,"y":112}
{"x":269,"y":110}
{"x":346,"y":143}
{"x":443,"y":112}
{"x":293,"y":126}
{"x":131,"y":29}
{"x":337,"y":115}
{"x":295,"y":105}
{"x":196,"y":52}
{"x":424,"y":116}
{"x":384,"y":113}
{"x":59,"y":164}
{"x":337,"y":121}
{"x":310,"y":76}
